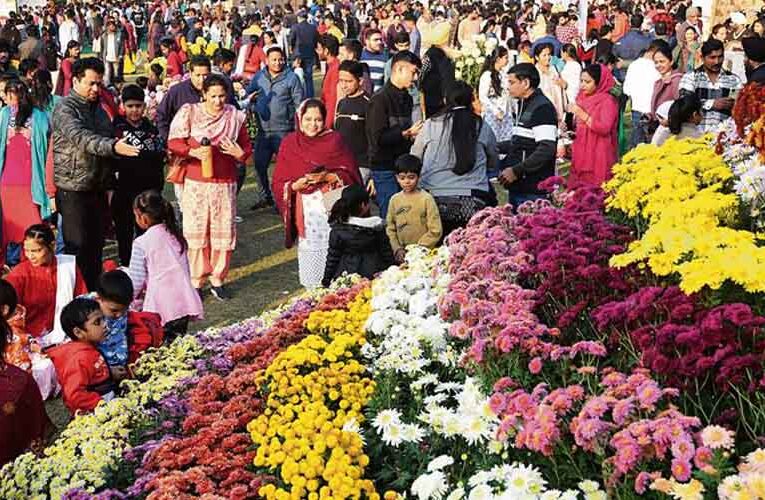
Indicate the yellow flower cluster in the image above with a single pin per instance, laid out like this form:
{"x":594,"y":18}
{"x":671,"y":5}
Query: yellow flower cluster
{"x":315,"y":388}
{"x":677,"y":196}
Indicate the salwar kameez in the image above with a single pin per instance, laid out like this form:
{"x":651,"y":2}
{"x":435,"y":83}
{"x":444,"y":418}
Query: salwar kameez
{"x":314,"y":244}
{"x":209,"y":209}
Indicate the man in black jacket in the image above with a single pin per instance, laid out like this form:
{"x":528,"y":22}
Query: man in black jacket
{"x":754,"y":50}
{"x":83,"y":141}
{"x":303,"y":39}
{"x":390,"y":131}
{"x":531,"y":150}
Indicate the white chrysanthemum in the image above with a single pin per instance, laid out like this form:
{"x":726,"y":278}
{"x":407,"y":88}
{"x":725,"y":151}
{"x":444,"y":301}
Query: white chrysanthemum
{"x":457,"y":494}
{"x":481,"y":492}
{"x":481,"y":477}
{"x":452,"y":425}
{"x":430,"y":486}
{"x":569,"y":495}
{"x":475,"y":429}
{"x":393,"y":434}
{"x":440,"y":462}
{"x":589,"y":486}
{"x":412,"y":433}
{"x":755,"y":461}
{"x":550,"y":495}
{"x":717,"y":437}
{"x":435,"y":399}
{"x":386,"y":418}
{"x":448,"y":387}
{"x":428,"y":379}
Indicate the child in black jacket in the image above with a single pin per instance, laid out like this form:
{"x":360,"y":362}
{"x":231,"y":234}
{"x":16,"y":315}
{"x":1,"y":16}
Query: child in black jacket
{"x":357,"y":242}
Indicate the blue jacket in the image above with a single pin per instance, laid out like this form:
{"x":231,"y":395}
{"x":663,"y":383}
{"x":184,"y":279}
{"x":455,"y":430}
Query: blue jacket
{"x":632,"y":44}
{"x":278,"y":100}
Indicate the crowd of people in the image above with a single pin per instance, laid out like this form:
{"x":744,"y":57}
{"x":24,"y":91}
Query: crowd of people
{"x":394,"y":150}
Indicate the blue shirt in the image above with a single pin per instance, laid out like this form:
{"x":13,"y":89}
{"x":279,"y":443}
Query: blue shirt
{"x":632,"y":44}
{"x":114,"y":347}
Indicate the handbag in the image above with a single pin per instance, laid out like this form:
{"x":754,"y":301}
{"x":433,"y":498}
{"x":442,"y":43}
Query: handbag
{"x":176,"y":172}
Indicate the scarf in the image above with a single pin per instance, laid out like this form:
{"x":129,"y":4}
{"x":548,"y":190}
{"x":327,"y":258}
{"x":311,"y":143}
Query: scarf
{"x":299,"y":155}
{"x":590,"y":102}
{"x":193,"y":122}
{"x":39,"y":141}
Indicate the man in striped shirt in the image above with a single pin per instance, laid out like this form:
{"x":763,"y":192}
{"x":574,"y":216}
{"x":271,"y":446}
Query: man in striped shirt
{"x":374,"y":57}
{"x":715,"y":87}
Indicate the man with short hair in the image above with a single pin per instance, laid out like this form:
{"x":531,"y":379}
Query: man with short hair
{"x":634,"y":42}
{"x":278,"y":94}
{"x":303,"y":39}
{"x":390,"y":131}
{"x":531,"y":150}
{"x":352,"y":24}
{"x":327,"y":50}
{"x":714,"y":86}
{"x":692,"y":20}
{"x":374,"y":57}
{"x":410,"y":25}
{"x":638,"y":85}
{"x":82,"y":141}
{"x":111,"y":52}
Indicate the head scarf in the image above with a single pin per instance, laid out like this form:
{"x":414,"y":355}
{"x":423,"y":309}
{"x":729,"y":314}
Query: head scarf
{"x":299,"y":155}
{"x":590,"y":101}
{"x":439,"y":34}
{"x":192,"y":121}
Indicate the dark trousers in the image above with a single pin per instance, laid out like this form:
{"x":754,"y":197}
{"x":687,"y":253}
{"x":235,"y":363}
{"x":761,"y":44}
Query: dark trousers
{"x":125,"y":228}
{"x":307,"y":63}
{"x":265,"y":148}
{"x":83,"y":214}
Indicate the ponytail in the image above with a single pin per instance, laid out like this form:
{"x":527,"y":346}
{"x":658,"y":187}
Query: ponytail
{"x":350,"y":204}
{"x":160,"y":211}
{"x":340,"y":213}
{"x":681,"y":111}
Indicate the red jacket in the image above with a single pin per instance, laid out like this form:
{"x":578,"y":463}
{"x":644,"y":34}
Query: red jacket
{"x":329,"y":90}
{"x":174,"y":64}
{"x":83,"y":374}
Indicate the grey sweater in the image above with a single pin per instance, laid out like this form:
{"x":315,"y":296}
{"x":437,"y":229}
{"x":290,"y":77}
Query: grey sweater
{"x":434,"y":147}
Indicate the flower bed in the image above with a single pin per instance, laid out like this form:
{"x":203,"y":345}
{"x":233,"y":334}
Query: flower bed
{"x":586,"y":347}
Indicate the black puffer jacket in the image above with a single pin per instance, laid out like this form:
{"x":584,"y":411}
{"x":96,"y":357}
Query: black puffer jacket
{"x":83,"y":145}
{"x":359,"y":246}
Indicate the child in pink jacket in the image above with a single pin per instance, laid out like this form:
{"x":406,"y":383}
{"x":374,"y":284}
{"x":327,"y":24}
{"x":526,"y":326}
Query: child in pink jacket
{"x":159,"y":266}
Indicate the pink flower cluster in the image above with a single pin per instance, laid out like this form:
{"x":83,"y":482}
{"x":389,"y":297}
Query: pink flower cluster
{"x":534,"y":418}
{"x":485,"y":303}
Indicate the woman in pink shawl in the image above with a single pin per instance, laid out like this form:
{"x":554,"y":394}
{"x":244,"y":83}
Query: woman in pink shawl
{"x":596,"y":111}
{"x":312,"y":162}
{"x":208,"y":203}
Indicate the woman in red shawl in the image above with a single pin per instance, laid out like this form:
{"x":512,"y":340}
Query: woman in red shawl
{"x":23,"y":420}
{"x":595,"y":147}
{"x":312,"y":161}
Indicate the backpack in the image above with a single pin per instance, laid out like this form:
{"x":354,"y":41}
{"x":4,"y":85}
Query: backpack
{"x":144,"y":331}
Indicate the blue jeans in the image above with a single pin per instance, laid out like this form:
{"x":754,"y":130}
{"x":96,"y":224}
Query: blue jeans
{"x":639,"y":133}
{"x":516,"y":199}
{"x":307,"y":63}
{"x":265,"y":148}
{"x":385,"y":187}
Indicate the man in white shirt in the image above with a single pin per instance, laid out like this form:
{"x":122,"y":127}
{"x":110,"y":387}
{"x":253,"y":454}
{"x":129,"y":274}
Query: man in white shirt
{"x":68,"y":30}
{"x":638,"y":85}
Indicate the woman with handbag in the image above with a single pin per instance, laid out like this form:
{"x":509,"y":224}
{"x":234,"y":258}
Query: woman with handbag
{"x":312,"y":166}
{"x":211,"y":135}
{"x":457,"y":148}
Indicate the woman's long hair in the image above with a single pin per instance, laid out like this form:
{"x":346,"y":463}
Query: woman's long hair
{"x":160,"y":211}
{"x":350,"y":204}
{"x":466,"y":125}
{"x":681,"y":112}
{"x":489,"y":65}
{"x":26,"y":105}
{"x":42,"y":88}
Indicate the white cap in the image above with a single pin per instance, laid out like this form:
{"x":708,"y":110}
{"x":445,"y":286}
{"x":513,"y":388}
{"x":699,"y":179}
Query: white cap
{"x":663,"y":110}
